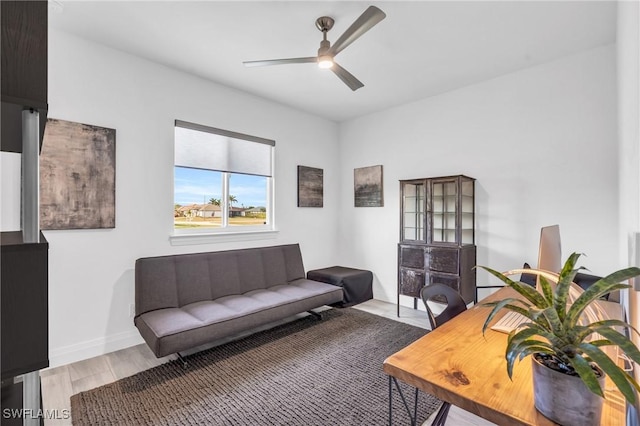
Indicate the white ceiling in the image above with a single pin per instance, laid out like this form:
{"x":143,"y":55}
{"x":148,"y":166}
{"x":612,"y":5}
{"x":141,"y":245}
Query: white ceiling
{"x":422,"y":48}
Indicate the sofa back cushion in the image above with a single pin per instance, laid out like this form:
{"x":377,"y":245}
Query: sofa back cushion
{"x":174,"y":281}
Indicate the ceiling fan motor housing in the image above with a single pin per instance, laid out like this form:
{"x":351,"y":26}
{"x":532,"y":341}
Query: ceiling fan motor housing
{"x":324,"y":23}
{"x":324,"y":47}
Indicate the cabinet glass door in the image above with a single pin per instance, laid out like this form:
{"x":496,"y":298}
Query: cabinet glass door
{"x":444,"y":199}
{"x":467,"y":212}
{"x":413,"y":211}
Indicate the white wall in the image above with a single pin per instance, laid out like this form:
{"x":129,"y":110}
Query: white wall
{"x":542,"y":144}
{"x":91,"y":272}
{"x":628,"y":56}
{"x":628,"y":61}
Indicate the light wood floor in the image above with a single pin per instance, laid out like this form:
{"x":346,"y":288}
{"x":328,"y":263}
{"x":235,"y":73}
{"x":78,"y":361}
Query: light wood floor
{"x":58,"y":384}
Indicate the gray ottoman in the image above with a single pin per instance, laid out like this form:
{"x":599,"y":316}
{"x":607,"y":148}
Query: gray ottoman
{"x":356,"y":283}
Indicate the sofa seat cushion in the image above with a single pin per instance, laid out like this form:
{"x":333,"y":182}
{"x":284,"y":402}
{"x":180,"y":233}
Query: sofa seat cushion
{"x":171,"y":330}
{"x":169,"y":321}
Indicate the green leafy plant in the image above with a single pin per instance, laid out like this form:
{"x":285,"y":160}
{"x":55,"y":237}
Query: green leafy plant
{"x":554,"y":328}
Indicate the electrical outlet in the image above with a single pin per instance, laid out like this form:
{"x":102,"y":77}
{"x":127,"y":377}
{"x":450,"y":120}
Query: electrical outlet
{"x":132,"y":310}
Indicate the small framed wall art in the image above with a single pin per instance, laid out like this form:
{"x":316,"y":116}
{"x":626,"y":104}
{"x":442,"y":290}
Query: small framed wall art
{"x":367,"y":187}
{"x":310,"y":187}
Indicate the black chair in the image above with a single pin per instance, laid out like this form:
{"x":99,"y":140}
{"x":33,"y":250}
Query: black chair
{"x":584,"y":281}
{"x":441,"y":293}
{"x":529,"y":279}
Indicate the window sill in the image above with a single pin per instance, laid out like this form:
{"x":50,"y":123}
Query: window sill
{"x":221,"y":237}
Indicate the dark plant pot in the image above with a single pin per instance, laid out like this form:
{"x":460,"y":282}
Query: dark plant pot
{"x":565,"y":399}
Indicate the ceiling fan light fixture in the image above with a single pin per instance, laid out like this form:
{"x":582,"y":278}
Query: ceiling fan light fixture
{"x":367,"y":20}
{"x":325,"y":61}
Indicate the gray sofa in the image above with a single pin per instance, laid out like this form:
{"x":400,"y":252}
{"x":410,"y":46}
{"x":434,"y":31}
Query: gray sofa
{"x":184,"y":301}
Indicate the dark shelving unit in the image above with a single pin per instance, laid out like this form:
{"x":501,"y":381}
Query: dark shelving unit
{"x":24,"y":323}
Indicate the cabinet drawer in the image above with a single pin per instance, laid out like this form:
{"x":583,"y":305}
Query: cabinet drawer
{"x":448,"y":280}
{"x":411,"y":282}
{"x":412,"y":257}
{"x":443,"y":259}
{"x":452,"y":281}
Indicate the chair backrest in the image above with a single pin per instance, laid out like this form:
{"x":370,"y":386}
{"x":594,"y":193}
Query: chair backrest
{"x":530,"y":279}
{"x":438,"y":292}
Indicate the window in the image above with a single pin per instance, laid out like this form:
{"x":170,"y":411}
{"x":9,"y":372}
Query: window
{"x":222,"y":180}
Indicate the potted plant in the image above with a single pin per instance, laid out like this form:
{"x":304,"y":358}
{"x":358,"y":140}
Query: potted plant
{"x":568,"y":360}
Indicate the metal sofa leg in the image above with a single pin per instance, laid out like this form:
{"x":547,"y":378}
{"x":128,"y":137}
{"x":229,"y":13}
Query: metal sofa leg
{"x":316,"y":315}
{"x":184,"y":362}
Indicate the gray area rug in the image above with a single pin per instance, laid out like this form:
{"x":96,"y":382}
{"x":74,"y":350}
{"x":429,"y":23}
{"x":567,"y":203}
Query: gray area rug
{"x":306,"y":372}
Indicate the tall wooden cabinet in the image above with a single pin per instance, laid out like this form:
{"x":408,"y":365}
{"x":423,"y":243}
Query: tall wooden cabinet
{"x":437,"y":235}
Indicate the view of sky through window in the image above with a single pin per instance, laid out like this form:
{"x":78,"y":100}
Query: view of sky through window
{"x":196,"y":186}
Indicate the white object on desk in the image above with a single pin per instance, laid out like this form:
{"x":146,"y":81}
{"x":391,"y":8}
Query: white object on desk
{"x":509,"y":322}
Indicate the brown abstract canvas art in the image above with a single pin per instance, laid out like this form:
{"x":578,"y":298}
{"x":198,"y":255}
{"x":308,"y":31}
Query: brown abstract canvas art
{"x":77,"y":176}
{"x":310,"y":187}
{"x":367,"y":186}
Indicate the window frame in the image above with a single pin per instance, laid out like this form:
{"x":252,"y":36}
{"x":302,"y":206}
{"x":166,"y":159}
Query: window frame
{"x":244,"y":232}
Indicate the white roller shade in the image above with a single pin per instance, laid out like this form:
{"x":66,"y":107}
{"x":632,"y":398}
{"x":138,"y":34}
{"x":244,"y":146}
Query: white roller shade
{"x":202,"y":147}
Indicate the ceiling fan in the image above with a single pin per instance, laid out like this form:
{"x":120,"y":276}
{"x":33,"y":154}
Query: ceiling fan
{"x":327,"y":52}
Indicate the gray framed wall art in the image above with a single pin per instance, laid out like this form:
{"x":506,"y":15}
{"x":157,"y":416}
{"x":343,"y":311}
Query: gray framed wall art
{"x":77,"y":176}
{"x":367,"y":187}
{"x":310,"y":187}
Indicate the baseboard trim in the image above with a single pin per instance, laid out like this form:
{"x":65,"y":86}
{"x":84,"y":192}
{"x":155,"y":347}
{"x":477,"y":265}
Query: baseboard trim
{"x":92,"y":348}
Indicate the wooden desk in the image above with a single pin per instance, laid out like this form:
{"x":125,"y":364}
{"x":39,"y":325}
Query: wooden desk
{"x":458,"y":365}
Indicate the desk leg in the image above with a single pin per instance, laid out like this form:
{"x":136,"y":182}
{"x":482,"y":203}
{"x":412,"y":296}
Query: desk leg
{"x":414,"y":417}
{"x":415,"y":408}
{"x":441,"y":417}
{"x":390,"y":402}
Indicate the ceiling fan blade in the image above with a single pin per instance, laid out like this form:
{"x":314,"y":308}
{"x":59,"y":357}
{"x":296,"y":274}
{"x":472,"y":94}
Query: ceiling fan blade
{"x":280,"y":61}
{"x":346,"y":77}
{"x":364,"y":23}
